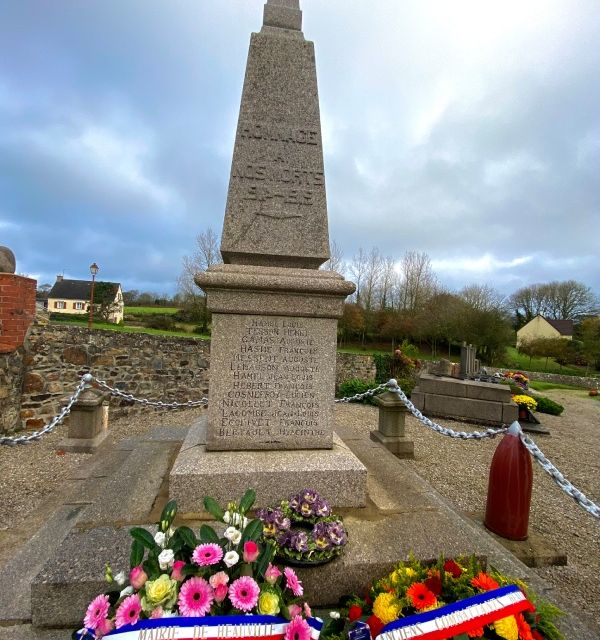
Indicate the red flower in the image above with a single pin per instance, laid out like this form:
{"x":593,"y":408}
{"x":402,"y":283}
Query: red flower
{"x":476,"y":633}
{"x":434,"y":584}
{"x":536,"y":635}
{"x":420,"y":596}
{"x":452,"y":567}
{"x":354,"y":613}
{"x":375,"y":625}
{"x":524,"y":628}
{"x":368,"y":599}
{"x":484,"y":581}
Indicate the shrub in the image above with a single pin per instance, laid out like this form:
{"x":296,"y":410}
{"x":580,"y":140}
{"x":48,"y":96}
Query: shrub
{"x":163,"y":322}
{"x":407,"y":385}
{"x":354,"y":386}
{"x":545,"y":405}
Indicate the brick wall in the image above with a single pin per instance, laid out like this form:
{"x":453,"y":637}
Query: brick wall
{"x":17,"y":310}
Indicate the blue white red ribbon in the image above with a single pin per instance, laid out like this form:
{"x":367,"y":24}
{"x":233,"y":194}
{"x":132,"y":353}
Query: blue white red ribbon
{"x":459,"y":617}
{"x":208,"y":628}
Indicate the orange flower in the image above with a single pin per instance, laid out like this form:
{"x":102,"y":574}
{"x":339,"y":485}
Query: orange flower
{"x":420,"y":596}
{"x":484,"y":581}
{"x":476,"y":633}
{"x":524,"y":628}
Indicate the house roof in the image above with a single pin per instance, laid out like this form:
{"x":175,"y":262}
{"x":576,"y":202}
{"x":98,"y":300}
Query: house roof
{"x":564,"y":327}
{"x":77,"y":289}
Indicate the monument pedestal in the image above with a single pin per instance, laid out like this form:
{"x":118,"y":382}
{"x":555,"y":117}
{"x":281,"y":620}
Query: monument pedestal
{"x":336,"y":473}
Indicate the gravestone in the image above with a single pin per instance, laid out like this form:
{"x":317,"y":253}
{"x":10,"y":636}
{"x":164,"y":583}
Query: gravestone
{"x":274,"y":313}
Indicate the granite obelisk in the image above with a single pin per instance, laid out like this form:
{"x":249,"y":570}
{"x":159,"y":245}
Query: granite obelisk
{"x":274,"y":313}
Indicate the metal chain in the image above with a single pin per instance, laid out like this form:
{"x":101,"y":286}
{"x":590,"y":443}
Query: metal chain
{"x":361,"y":396}
{"x":11,"y":441}
{"x":150,"y":403}
{"x":558,"y":477}
{"x":392,"y":385}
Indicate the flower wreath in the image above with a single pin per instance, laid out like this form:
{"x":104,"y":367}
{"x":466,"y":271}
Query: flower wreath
{"x":303,"y":529}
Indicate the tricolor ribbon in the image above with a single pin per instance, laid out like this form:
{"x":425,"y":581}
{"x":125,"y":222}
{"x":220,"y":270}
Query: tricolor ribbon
{"x":209,"y":628}
{"x":459,"y":617}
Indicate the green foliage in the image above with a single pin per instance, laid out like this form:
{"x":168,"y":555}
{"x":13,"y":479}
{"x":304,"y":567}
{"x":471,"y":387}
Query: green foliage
{"x":148,"y":311}
{"x":545,"y":405}
{"x":383,"y":367}
{"x":407,"y":384}
{"x":356,"y":385}
{"x":164,"y":322}
{"x":69,"y":317}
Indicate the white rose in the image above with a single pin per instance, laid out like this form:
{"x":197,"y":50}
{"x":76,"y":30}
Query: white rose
{"x":233,"y":535}
{"x":127,"y":591}
{"x":245,"y":523}
{"x":160,"y":539}
{"x":231,"y":558}
{"x":334,"y":614}
{"x":227,"y":517}
{"x":166,"y":558}
{"x":120,"y":578}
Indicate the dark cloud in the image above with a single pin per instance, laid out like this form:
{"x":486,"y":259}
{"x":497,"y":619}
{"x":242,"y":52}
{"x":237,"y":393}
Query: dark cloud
{"x":468,"y":131}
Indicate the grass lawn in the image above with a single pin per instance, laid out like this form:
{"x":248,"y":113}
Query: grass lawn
{"x":149,"y":311}
{"x":121,"y":328}
{"x":538,"y":385}
{"x":516,"y":360}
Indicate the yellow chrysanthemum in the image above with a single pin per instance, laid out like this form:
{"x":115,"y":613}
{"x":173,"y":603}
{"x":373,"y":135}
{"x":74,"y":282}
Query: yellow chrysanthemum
{"x":386,"y":607}
{"x":507,"y":628}
{"x":409,"y":572}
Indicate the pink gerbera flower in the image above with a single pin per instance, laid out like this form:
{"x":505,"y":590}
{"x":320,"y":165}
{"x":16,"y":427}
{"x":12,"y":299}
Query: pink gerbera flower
{"x":207,"y":554}
{"x":244,"y":593}
{"x":195,"y":598}
{"x":129,"y":611}
{"x":96,"y":612}
{"x":292,"y":582}
{"x":297,"y":629}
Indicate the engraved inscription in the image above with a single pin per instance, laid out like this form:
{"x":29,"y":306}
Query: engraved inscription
{"x":275,"y":182}
{"x":273,"y":375}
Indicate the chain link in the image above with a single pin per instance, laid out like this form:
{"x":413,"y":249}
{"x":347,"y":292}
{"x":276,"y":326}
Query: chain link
{"x":361,"y":396}
{"x":580,"y":498}
{"x":150,"y":403}
{"x":392,"y":386}
{"x":11,"y":441}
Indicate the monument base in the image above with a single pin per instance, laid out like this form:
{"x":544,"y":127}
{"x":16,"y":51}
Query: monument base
{"x":336,"y":473}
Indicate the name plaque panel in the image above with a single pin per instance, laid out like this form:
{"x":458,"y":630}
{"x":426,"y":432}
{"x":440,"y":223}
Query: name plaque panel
{"x":272,"y":381}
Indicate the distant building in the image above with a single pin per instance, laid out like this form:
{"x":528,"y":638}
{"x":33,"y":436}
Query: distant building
{"x":73,"y":296}
{"x":541,"y":327}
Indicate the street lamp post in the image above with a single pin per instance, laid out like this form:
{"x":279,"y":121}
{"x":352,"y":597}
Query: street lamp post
{"x":93,"y":270}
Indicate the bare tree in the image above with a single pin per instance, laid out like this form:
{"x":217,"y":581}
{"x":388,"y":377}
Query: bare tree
{"x":419,"y":282}
{"x":482,"y":297}
{"x":373,"y":272}
{"x":357,"y":269}
{"x":387,"y":283}
{"x":569,"y":300}
{"x":336,"y":259}
{"x":206,"y":253}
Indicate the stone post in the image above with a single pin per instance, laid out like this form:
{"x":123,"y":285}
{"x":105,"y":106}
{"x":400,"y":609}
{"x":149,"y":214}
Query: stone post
{"x":88,"y":423}
{"x":392,"y":414}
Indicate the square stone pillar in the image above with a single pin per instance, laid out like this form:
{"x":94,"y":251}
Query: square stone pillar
{"x":88,"y":423}
{"x":392,"y":414}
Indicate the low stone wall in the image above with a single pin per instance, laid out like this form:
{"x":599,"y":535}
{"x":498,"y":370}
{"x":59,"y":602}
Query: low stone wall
{"x":354,"y":365}
{"x":558,"y":378}
{"x":155,"y":367}
{"x":36,"y":380}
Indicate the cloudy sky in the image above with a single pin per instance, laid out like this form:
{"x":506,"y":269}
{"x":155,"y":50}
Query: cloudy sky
{"x":466,"y":129}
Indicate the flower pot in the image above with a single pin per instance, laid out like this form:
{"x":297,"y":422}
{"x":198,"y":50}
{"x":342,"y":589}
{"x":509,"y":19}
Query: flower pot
{"x":523,"y":414}
{"x":593,"y":392}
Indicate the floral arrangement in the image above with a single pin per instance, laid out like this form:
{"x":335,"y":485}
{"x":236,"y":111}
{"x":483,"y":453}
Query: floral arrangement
{"x":519,"y":378}
{"x":176,"y":572}
{"x":414,"y":588}
{"x":303,"y":529}
{"x":525,"y":402}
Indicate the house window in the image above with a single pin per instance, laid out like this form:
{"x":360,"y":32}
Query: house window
{"x":78,"y":306}
{"x":60,"y":304}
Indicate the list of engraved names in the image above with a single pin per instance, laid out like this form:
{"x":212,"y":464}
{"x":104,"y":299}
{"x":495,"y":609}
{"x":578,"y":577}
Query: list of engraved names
{"x":273,"y":376}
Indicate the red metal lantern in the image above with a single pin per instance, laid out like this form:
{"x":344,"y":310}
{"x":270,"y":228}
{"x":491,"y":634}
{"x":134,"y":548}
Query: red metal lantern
{"x":509,"y":488}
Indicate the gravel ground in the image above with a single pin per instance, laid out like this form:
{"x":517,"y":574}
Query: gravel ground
{"x":32,"y":476}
